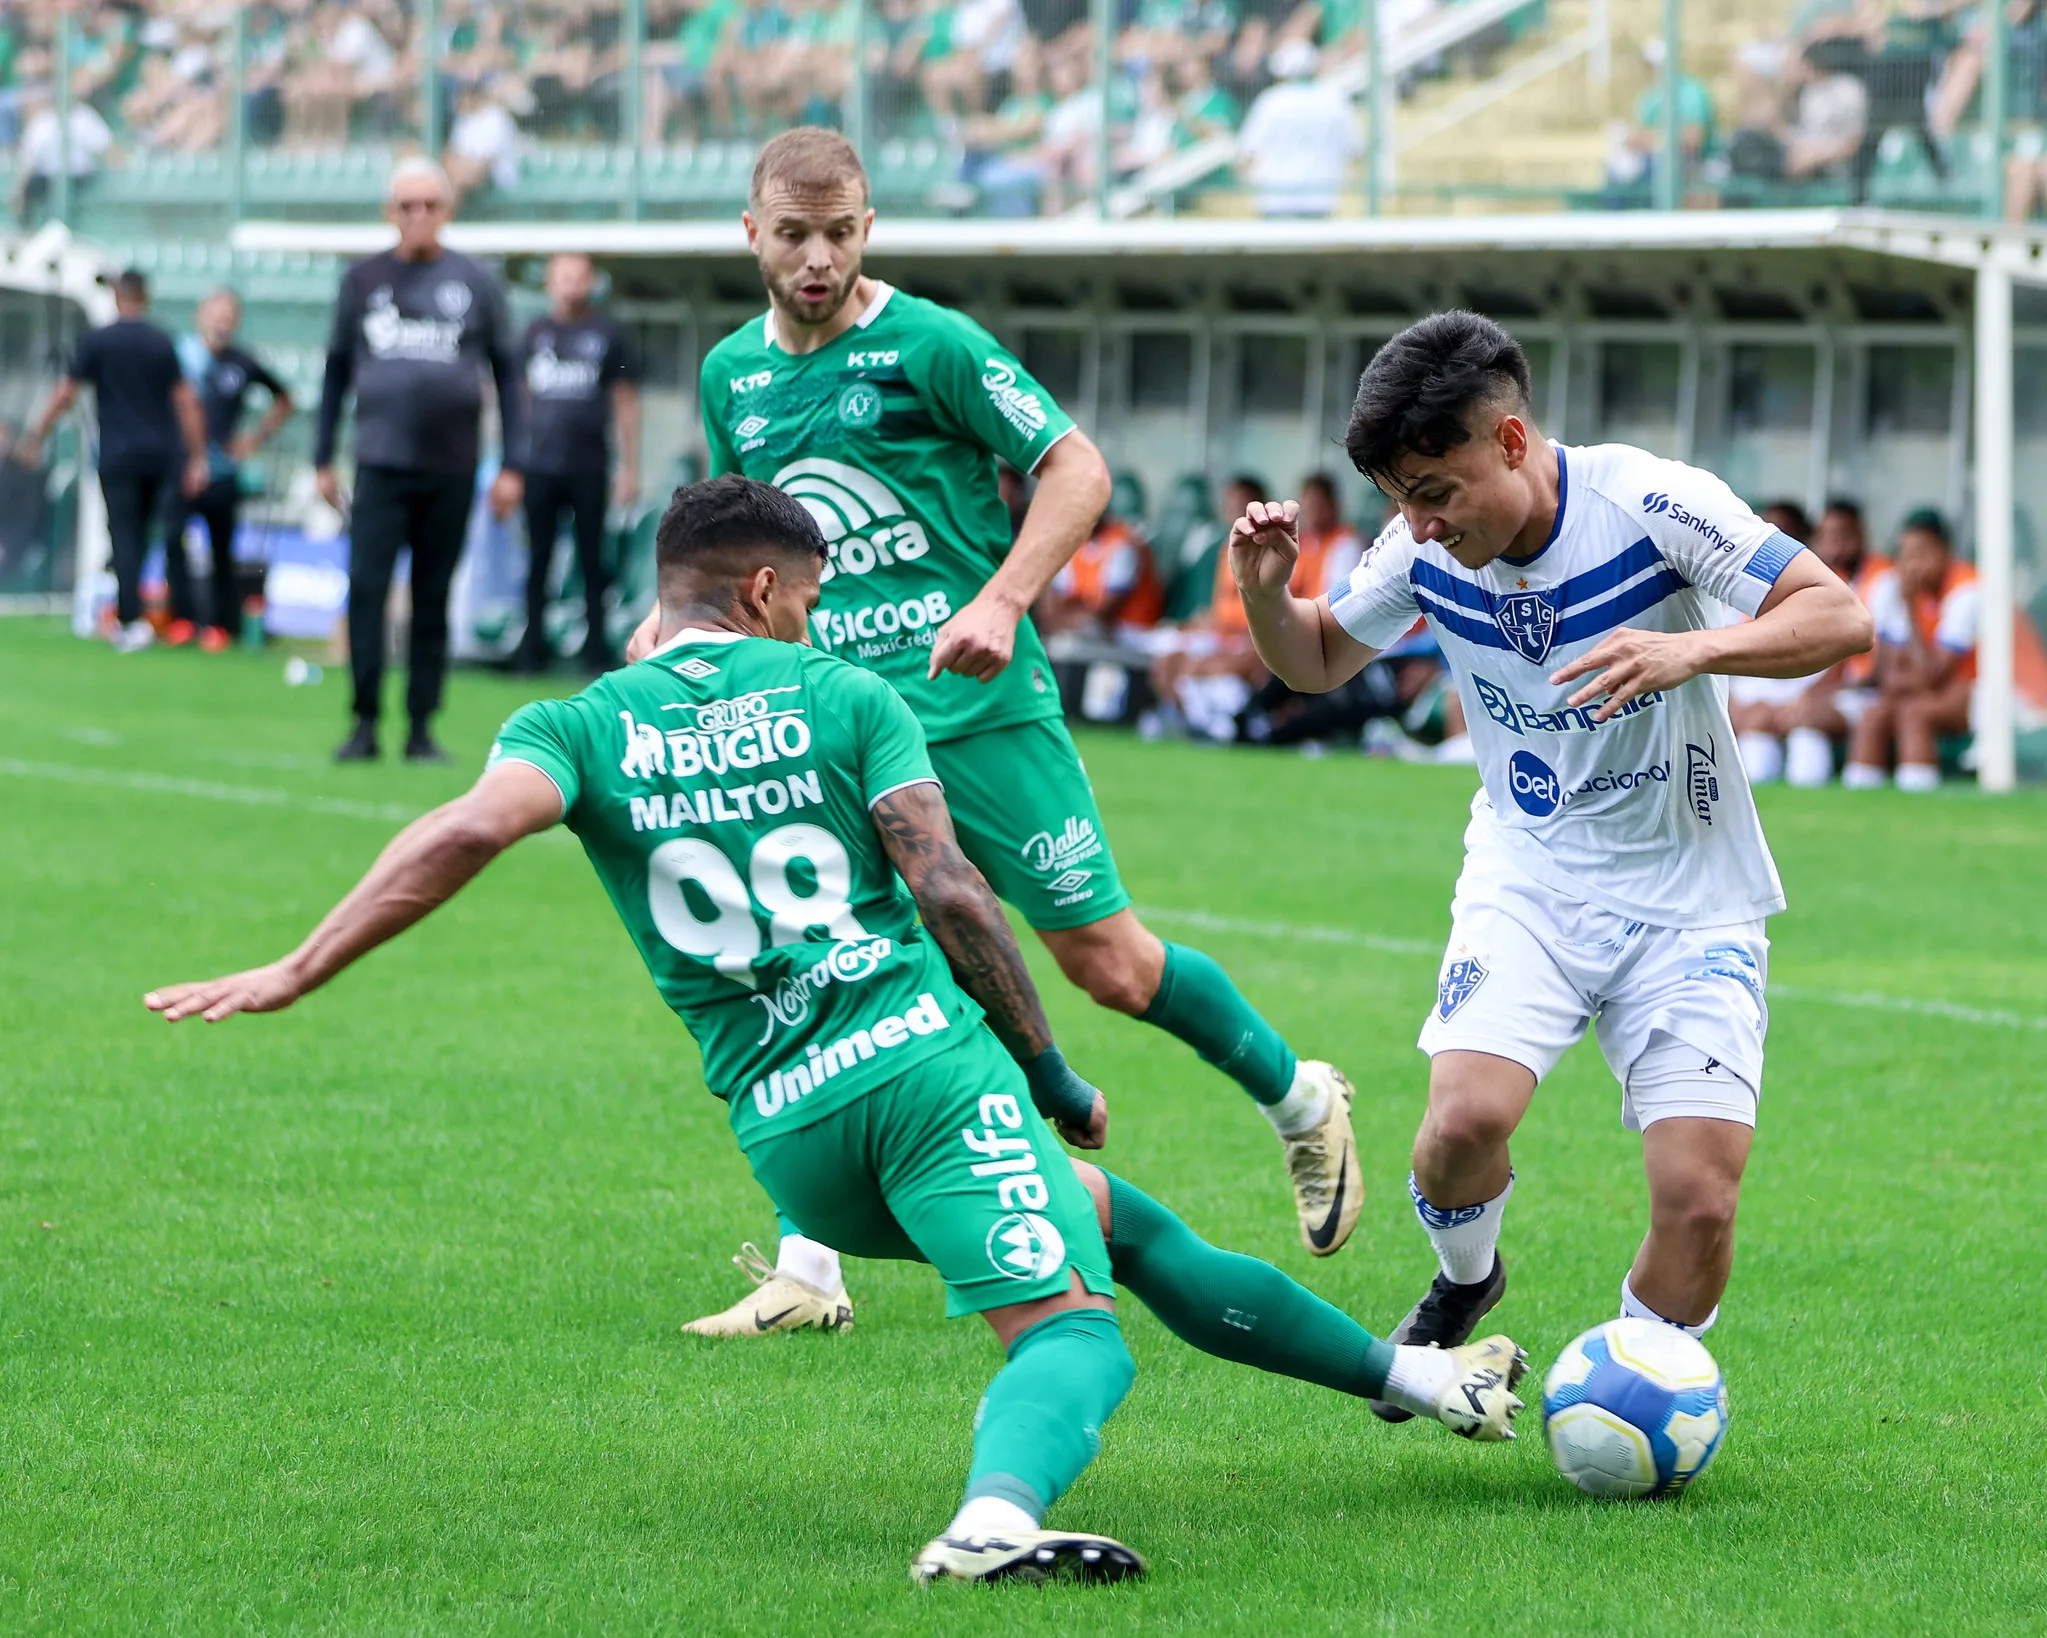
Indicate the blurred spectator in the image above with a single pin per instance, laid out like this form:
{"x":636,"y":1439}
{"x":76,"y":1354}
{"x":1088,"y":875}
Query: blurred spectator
{"x":1111,"y":586}
{"x":415,"y":329}
{"x":150,"y":434}
{"x":37,"y":160}
{"x":691,"y":89}
{"x":176,"y":105}
{"x":1065,"y":160}
{"x":1820,"y":715}
{"x":1215,"y":644}
{"x":1829,"y":121}
{"x":222,"y":374}
{"x":266,"y":52}
{"x":977,"y":43}
{"x":1636,"y":148}
{"x":1001,"y":160}
{"x":582,"y":381}
{"x":1206,"y":109}
{"x":1298,"y":139}
{"x":1761,"y":707}
{"x":1926,"y":614}
{"x":483,"y":143}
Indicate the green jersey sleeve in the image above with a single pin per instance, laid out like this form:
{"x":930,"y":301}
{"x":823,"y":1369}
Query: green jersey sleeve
{"x":543,"y":735}
{"x":887,"y":739}
{"x":717,"y":445}
{"x":982,"y":394}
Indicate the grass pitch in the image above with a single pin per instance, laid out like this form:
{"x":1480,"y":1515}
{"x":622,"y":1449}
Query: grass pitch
{"x":362,"y":1318}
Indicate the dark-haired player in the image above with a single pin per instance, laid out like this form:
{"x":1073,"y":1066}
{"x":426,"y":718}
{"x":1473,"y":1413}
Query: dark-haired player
{"x":1615,"y":868}
{"x":886,"y":415}
{"x":767,"y":824}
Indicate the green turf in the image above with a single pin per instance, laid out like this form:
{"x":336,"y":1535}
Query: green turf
{"x":363,"y":1317}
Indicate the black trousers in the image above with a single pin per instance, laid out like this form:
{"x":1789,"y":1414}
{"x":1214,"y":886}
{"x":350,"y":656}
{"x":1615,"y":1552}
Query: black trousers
{"x":548,"y":494}
{"x":395,"y":509}
{"x":132,"y":500}
{"x":216,"y":506}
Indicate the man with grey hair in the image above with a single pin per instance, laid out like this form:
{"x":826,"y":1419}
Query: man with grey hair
{"x":415,"y":328}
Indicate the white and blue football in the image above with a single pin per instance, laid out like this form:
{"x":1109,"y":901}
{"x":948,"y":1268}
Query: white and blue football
{"x":1634,"y":1408}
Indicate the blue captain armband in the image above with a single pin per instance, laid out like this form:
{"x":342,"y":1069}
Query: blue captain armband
{"x":1772,"y":558}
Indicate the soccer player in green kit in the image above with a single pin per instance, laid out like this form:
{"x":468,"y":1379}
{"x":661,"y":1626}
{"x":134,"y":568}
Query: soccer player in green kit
{"x":766,"y":822}
{"x":885,"y":415}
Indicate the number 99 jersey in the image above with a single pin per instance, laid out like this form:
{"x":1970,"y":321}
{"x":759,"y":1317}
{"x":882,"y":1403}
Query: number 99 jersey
{"x":721,"y":788}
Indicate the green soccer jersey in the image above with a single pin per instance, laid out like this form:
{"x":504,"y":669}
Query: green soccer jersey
{"x":721,"y":788}
{"x":889,"y":435}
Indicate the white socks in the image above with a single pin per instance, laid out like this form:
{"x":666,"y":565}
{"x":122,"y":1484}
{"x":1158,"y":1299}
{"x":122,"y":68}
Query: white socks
{"x":1762,"y":755}
{"x":1808,"y":758}
{"x":817,"y":1266}
{"x":1418,"y":1378}
{"x":1918,"y":776}
{"x":1860,"y":776}
{"x":1465,"y":1237}
{"x":1305,"y":1106}
{"x":987,"y":1516}
{"x":1633,"y":1307}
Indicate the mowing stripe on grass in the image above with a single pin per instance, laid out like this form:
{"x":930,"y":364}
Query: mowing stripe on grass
{"x":392,"y":812}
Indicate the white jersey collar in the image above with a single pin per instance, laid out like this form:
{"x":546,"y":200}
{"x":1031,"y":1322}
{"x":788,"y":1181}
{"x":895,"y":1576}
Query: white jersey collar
{"x":698,"y":634}
{"x":882,"y":292}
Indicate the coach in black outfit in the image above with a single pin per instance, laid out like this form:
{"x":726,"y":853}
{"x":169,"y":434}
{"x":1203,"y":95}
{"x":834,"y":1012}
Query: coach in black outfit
{"x":415,"y":328}
{"x":150,"y":429}
{"x":582,"y":376}
{"x":222,"y":373}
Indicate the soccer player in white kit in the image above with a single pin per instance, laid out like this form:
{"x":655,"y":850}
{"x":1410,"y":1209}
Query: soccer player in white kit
{"x":1615,"y":871}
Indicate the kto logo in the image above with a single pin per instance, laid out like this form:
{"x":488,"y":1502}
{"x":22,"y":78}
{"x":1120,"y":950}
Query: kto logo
{"x":1654,"y":503}
{"x":1534,"y":785}
{"x":746,"y":383}
{"x":871,"y":361}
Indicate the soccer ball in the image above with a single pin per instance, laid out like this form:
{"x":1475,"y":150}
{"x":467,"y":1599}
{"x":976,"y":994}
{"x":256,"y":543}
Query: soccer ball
{"x":1634,"y":1408}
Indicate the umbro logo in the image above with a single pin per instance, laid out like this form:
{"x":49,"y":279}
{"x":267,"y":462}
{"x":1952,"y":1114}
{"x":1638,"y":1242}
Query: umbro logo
{"x":696,"y":670}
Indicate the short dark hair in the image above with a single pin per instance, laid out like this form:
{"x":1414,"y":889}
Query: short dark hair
{"x":1799,"y":523}
{"x":1250,"y":481}
{"x":1928,"y":519}
{"x":809,"y":159}
{"x":130,"y":285}
{"x":1322,"y":481}
{"x":727,"y":527}
{"x":1845,"y":506}
{"x":1417,"y":394}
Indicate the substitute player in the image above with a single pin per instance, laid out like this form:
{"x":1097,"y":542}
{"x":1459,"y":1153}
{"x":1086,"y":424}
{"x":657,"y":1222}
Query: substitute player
{"x":1614,"y":866}
{"x":885,"y":415}
{"x":748,"y":803}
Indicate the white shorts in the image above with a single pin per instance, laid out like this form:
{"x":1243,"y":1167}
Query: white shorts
{"x":1680,"y":1012}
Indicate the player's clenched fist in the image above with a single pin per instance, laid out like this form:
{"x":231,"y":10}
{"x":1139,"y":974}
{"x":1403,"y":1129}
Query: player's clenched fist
{"x":1264,"y":544}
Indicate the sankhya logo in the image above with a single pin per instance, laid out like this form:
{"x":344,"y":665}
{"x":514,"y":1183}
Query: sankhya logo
{"x":847,"y":962}
{"x":1654,"y":504}
{"x":847,"y":503}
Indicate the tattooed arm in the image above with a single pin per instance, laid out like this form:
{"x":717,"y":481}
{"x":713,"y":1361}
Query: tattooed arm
{"x":966,"y":919}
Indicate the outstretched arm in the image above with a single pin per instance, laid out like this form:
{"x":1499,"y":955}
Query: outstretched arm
{"x":423,"y":867}
{"x":964,"y":916}
{"x":1810,"y":620}
{"x":1298,"y":639}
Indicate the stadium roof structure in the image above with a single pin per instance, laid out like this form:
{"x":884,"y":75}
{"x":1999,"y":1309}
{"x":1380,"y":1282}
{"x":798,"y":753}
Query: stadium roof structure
{"x":1808,"y":264}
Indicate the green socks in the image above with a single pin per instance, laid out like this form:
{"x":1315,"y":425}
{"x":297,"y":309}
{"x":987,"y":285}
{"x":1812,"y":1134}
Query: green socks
{"x":1234,"y":1306}
{"x":1198,"y":1003}
{"x":1041,"y":1419}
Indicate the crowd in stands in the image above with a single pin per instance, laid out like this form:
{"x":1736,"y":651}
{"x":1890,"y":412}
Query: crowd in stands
{"x":1814,"y":104}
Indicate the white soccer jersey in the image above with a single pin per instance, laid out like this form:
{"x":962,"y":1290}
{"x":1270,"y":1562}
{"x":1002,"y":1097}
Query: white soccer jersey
{"x":1648,"y":815}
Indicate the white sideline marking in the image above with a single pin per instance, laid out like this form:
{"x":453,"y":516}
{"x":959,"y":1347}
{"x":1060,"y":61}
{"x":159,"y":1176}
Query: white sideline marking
{"x":390,"y":812}
{"x":1996,"y":1017}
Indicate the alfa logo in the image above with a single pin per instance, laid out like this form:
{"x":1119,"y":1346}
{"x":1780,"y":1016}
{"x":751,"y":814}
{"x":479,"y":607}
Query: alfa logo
{"x":1025,"y":1246}
{"x":1654,"y":503}
{"x":1528,"y":620}
{"x":1460,"y":979}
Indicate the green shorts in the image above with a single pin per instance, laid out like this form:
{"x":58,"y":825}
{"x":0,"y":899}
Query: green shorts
{"x":1026,"y":816}
{"x":948,"y":1164}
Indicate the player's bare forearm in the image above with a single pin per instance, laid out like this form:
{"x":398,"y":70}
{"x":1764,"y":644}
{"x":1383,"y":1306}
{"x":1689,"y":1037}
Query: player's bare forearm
{"x":421,"y":868}
{"x":963,"y":914}
{"x":1073,"y":487}
{"x":1302,"y":644}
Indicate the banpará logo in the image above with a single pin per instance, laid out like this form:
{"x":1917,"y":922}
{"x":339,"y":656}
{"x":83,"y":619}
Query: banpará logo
{"x":847,"y":962}
{"x":1050,"y":852}
{"x":837,"y":627}
{"x":747,"y":383}
{"x":776,"y":1092}
{"x":1702,"y":780}
{"x":873,"y":360}
{"x":860,"y":406}
{"x":1020,"y":409}
{"x":1519,"y":717}
{"x":1655,"y":504}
